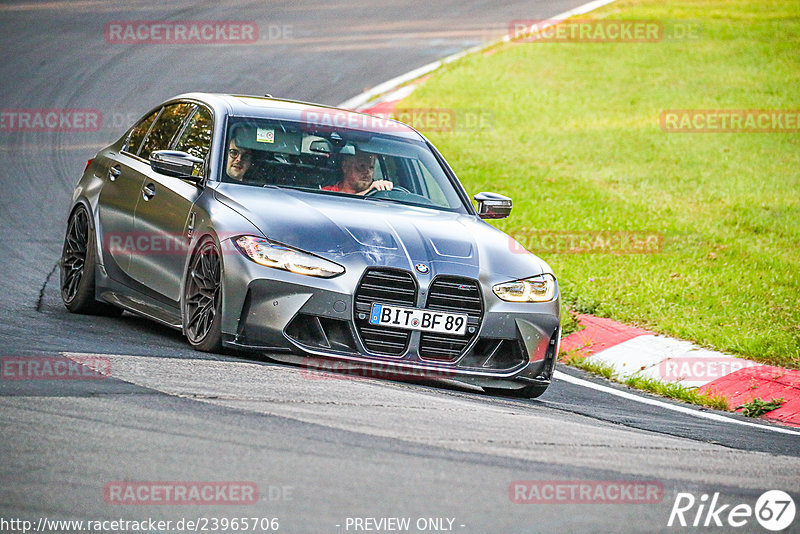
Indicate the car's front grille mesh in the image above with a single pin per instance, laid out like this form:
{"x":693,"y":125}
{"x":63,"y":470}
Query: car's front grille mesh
{"x":455,"y":295}
{"x":447,"y":293}
{"x":387,"y":287}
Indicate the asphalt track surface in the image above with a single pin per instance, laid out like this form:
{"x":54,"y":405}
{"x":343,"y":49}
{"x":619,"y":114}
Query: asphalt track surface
{"x":337,"y":447}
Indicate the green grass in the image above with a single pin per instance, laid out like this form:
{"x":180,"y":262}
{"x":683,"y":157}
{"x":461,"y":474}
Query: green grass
{"x":574,"y":139}
{"x":664,"y":389}
{"x":758,"y":407}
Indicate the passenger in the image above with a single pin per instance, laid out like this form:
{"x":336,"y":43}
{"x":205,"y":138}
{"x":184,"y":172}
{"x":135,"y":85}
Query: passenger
{"x":239,"y":161}
{"x":357,"y":179}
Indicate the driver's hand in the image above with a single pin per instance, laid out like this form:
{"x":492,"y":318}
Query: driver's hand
{"x":378,"y":185}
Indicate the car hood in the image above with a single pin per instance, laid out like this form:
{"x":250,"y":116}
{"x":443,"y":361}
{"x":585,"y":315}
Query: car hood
{"x":381,"y":233}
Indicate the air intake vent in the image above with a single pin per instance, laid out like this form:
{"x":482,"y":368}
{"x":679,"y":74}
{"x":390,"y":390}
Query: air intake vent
{"x":495,"y":354}
{"x":457,"y":295}
{"x":387,"y":287}
{"x":321,"y":332}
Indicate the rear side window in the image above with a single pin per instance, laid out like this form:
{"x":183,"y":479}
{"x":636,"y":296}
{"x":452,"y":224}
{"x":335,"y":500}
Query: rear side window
{"x":139,"y":132}
{"x":165,"y":128}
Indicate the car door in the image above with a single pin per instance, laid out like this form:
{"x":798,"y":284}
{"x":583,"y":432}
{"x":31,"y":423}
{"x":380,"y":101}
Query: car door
{"x":119,"y":196}
{"x":164,"y":210}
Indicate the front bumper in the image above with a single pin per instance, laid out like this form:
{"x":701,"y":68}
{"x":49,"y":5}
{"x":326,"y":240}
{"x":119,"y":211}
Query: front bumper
{"x":515,"y":343}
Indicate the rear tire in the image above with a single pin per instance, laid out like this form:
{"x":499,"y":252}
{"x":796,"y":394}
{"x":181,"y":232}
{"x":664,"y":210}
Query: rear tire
{"x":202,"y":298}
{"x":78,"y":260}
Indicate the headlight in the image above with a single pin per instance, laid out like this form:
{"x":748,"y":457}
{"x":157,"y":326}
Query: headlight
{"x":271,"y":254}
{"x":535,"y":289}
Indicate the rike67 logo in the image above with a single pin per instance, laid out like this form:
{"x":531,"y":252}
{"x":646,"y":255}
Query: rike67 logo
{"x":774,"y":511}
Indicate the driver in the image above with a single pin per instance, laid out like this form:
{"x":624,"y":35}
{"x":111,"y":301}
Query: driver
{"x":357,"y":171}
{"x":239,"y":161}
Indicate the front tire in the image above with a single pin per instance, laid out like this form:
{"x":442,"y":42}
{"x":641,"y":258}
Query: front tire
{"x":78,"y":260}
{"x":202,"y":298}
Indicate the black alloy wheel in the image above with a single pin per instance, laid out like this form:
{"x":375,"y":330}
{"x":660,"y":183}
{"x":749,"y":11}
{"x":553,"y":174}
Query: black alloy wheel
{"x":202,"y":298}
{"x":78,"y":260}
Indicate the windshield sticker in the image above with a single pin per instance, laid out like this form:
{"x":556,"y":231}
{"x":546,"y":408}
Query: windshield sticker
{"x":265,"y":135}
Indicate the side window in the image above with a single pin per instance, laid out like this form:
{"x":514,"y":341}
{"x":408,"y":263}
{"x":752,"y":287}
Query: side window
{"x":166,"y":127}
{"x":196,"y":137}
{"x":138,"y":132}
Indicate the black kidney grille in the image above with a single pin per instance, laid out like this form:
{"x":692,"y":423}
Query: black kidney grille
{"x":456,"y":295}
{"x":386,"y":287}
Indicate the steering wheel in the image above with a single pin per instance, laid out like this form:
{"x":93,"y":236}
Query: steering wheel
{"x":372,"y":192}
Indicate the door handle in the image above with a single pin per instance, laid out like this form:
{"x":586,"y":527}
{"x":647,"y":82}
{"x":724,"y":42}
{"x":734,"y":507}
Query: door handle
{"x":190,"y":225}
{"x":114,"y":172}
{"x":148,"y":191}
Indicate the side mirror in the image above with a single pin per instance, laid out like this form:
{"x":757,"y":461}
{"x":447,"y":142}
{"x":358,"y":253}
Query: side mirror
{"x":493,"y":206}
{"x":175,"y":163}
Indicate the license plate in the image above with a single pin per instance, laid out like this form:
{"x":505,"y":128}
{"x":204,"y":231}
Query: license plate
{"x":417,"y":319}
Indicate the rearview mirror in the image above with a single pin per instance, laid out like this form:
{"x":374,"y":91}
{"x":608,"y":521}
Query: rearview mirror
{"x":347,"y":150}
{"x":493,"y":206}
{"x":320,"y":146}
{"x":175,"y":163}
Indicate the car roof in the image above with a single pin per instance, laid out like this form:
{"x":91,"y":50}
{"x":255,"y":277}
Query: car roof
{"x":293,"y":110}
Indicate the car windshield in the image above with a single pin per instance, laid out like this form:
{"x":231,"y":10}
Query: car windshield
{"x":366,"y":165}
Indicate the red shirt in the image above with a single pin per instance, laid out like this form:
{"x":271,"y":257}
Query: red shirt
{"x":336,"y":188}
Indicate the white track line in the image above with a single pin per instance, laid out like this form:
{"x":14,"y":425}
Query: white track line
{"x":667,"y":406}
{"x":366,"y":96}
